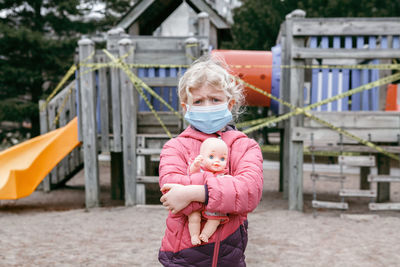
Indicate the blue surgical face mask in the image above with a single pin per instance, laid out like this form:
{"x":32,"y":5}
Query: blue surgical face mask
{"x":208,"y":119}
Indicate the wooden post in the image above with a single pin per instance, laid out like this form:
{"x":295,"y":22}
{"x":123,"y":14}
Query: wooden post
{"x":203,"y":24}
{"x":117,"y":175}
{"x":141,"y":171}
{"x":103,"y":91}
{"x":294,"y":149}
{"x":129,"y":107}
{"x":89,"y":131}
{"x":281,"y":169}
{"x":192,"y":49}
{"x":52,"y":111}
{"x":115,"y":91}
{"x":284,"y":136}
{"x":44,"y":128}
{"x":383,"y":189}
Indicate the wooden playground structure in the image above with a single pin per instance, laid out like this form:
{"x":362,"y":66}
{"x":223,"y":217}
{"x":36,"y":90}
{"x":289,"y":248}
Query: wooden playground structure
{"x":114,"y":117}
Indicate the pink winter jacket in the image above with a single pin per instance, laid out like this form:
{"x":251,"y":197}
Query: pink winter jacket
{"x":235,"y":196}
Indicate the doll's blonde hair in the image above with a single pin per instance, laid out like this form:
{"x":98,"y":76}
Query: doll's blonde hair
{"x":214,"y":72}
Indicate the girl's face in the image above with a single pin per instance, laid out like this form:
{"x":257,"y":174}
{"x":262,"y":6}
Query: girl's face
{"x":208,"y":96}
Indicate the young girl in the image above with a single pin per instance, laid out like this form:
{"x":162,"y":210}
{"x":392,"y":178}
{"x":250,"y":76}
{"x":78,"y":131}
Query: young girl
{"x":208,"y":95}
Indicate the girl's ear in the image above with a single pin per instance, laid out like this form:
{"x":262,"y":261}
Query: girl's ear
{"x":231,"y":104}
{"x":183,"y":105}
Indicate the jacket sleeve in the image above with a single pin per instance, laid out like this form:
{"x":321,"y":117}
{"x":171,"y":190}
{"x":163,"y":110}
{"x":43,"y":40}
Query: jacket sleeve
{"x":173,"y":169}
{"x":241,"y":192}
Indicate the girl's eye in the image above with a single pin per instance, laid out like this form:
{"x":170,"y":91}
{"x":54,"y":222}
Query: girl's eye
{"x":211,"y":156}
{"x":222,"y":159}
{"x":215,"y":100}
{"x":197,"y":102}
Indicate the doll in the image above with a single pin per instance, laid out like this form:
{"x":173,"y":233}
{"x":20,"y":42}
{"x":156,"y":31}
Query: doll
{"x":212,"y":158}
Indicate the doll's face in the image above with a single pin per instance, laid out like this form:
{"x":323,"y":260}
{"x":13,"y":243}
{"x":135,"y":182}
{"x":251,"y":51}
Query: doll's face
{"x":215,"y":154}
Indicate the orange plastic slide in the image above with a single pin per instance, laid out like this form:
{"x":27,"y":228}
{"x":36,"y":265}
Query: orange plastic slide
{"x":24,"y":166}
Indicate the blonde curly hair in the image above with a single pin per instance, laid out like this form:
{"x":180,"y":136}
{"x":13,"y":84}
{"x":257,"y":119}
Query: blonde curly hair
{"x":214,"y":72}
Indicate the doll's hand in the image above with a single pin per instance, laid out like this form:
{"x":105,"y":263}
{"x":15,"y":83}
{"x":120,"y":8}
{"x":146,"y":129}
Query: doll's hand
{"x":196,"y":164}
{"x":198,"y":160}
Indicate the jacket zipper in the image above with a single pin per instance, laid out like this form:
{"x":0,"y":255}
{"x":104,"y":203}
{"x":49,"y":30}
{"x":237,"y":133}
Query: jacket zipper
{"x":216,"y":248}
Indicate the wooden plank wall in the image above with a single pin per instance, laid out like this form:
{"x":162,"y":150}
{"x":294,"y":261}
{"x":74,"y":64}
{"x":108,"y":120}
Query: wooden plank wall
{"x":120,"y":112}
{"x":328,"y":40}
{"x":63,"y":106}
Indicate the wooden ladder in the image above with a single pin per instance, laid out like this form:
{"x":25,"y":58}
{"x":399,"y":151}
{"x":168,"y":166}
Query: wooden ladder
{"x":148,"y":151}
{"x":372,"y":178}
{"x":353,"y":161}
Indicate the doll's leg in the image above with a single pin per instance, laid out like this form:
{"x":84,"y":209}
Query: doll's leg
{"x":209,"y":229}
{"x":194,"y":227}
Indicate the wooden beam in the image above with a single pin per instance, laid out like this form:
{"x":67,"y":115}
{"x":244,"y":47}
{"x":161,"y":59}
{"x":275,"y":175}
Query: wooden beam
{"x":357,"y":193}
{"x":129,"y":107}
{"x":161,"y":81}
{"x":379,"y":178}
{"x":104,"y":100}
{"x":330,"y":205}
{"x":346,"y":26}
{"x":147,"y":179}
{"x":44,"y":128}
{"x":355,"y":119}
{"x":384,"y":206}
{"x":331,"y":136}
{"x":331,"y":53}
{"x":295,"y":90}
{"x":355,"y":148}
{"x":87,"y":86}
{"x":358,"y":161}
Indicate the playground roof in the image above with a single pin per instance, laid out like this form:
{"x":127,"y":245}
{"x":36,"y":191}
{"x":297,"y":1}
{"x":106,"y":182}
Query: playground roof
{"x":151,"y":13}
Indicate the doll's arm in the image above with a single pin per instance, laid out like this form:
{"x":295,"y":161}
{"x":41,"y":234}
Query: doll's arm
{"x":196,"y":164}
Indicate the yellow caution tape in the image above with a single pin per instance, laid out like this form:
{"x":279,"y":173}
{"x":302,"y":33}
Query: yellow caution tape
{"x":138,"y":85}
{"x":59,"y":85}
{"x":61,"y":108}
{"x":252,"y":122}
{"x":298,"y":111}
{"x":235,"y":66}
{"x":136,"y":65}
{"x":138,"y":82}
{"x":358,"y":67}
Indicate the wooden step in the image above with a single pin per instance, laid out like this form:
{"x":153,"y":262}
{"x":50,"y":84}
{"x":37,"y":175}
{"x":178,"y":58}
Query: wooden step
{"x":384,"y":206}
{"x":380,"y":178}
{"x":330,"y":205}
{"x":357,"y":161}
{"x":357,"y":193}
{"x":359,"y":217}
{"x":147,"y":179}
{"x":148,"y":151}
{"x":335,"y":178}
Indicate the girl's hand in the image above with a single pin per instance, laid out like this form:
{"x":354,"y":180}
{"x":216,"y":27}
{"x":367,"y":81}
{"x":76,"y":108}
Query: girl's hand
{"x":176,"y":196}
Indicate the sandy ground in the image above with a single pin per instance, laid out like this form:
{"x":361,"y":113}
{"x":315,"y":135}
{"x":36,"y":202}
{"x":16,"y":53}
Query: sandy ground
{"x":54,"y":229}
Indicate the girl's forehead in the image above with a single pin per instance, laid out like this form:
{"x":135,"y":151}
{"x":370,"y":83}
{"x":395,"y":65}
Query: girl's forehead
{"x":206,"y":90}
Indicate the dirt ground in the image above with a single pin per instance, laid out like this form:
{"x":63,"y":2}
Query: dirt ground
{"x":54,"y":229}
